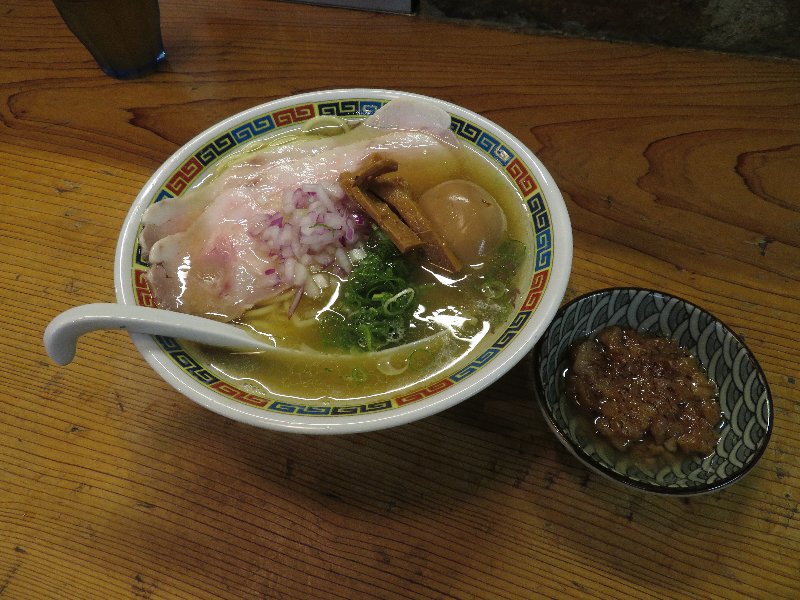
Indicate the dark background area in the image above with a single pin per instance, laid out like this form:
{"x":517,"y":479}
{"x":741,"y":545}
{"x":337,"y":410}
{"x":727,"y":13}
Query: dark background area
{"x":760,"y":27}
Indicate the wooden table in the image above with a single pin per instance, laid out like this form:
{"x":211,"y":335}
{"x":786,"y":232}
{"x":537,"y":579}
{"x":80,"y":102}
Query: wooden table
{"x":681,"y":171}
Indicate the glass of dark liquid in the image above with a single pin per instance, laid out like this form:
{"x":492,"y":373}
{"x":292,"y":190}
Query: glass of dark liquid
{"x":123,"y":36}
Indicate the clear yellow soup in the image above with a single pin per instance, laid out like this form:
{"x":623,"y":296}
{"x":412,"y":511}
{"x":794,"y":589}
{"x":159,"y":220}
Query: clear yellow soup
{"x":456,"y":314}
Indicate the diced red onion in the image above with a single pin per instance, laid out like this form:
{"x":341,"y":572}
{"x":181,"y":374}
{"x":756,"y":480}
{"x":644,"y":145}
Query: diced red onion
{"x":342,"y":260}
{"x":356,"y":255}
{"x":295,"y":301}
{"x":321,"y":280}
{"x":314,"y":232}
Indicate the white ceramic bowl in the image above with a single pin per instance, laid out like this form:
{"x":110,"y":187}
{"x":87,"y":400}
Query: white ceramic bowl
{"x":549,"y":242}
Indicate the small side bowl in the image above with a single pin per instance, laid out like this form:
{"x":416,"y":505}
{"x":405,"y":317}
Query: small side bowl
{"x":744,"y":394}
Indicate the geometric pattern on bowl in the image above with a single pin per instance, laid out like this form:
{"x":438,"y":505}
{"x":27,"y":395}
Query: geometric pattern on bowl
{"x":743,"y":390}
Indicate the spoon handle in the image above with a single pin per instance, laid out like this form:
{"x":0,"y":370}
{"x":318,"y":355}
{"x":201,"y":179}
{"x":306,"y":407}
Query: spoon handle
{"x":62,"y":333}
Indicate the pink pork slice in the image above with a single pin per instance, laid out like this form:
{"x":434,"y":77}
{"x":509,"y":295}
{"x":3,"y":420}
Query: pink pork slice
{"x":205,"y":258}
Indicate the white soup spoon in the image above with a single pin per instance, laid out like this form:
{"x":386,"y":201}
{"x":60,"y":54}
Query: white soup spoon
{"x":61,"y":335}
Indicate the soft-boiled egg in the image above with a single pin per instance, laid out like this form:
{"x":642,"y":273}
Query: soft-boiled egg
{"x":467,"y":217}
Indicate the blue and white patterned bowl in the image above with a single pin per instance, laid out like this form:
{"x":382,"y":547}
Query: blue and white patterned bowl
{"x":743,"y":391}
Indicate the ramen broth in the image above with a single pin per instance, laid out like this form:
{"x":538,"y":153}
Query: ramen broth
{"x":454,"y":316}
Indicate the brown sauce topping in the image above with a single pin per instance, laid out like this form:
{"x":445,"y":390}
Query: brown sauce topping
{"x":644,"y":394}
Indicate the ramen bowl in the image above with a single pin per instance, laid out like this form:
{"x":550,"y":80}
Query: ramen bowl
{"x":743,"y":392}
{"x":547,"y":239}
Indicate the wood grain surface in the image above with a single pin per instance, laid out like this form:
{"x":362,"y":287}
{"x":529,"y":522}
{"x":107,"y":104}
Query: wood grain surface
{"x":681,"y":171}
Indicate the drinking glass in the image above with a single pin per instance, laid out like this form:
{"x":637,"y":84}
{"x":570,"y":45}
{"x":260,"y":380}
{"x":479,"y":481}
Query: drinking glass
{"x":123,"y":36}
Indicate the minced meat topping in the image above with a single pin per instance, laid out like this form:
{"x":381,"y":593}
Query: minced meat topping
{"x":644,"y":391}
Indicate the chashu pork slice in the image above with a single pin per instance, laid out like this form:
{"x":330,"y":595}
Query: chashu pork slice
{"x":214,"y":263}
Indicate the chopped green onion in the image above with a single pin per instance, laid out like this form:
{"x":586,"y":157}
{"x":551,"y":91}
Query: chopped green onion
{"x":376,"y":304}
{"x":357,"y":375}
{"x":493,"y":288}
{"x":395,"y":305}
{"x":365,"y":337}
{"x":419,"y":359}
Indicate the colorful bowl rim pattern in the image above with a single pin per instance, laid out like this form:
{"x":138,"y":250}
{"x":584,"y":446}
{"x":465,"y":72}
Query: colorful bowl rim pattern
{"x":741,"y":444}
{"x":190,"y":163}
